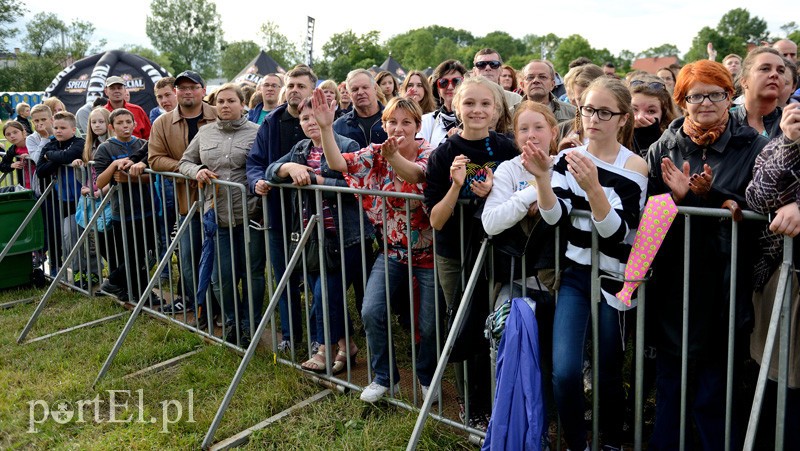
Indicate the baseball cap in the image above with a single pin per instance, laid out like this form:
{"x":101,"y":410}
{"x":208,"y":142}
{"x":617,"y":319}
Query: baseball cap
{"x":113,"y":80}
{"x":190,"y":75}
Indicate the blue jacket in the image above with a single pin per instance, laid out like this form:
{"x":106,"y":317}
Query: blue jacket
{"x":299,"y":154}
{"x":265,"y":151}
{"x":348,"y":126}
{"x":518,"y":418}
{"x":255,"y":113}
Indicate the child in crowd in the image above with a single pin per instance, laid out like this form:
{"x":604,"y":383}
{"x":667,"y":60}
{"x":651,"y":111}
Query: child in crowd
{"x":62,"y":233}
{"x":462,"y":168}
{"x":91,"y":195}
{"x":42,"y":117}
{"x":122,"y":160}
{"x":23,"y":113}
{"x":15,"y":134}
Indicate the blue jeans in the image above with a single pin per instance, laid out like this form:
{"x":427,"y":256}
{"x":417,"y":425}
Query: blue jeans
{"x":191,"y":241}
{"x":166,"y":220}
{"x":338,"y":318}
{"x":707,"y":409}
{"x":570,"y":330}
{"x":231,"y":268}
{"x":374,"y":315}
{"x":290,"y":312}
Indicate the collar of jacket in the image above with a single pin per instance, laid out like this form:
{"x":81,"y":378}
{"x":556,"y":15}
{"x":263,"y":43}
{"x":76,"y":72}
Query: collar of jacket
{"x":352,"y":115}
{"x":209,"y":113}
{"x":231,"y":126}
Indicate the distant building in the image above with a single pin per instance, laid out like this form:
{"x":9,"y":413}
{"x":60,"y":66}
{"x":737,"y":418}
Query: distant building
{"x":8,"y":59}
{"x":652,"y":65}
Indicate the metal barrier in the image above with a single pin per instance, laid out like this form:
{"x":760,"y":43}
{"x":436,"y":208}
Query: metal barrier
{"x":235,"y":232}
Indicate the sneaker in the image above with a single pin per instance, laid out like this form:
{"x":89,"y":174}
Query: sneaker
{"x":375,"y":391}
{"x":434,"y":395}
{"x":611,"y":448}
{"x":285,"y":346}
{"x":95,"y":279}
{"x":177,"y":306}
{"x":79,"y":280}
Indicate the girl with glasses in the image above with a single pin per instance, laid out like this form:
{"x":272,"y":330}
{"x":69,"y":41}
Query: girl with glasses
{"x":439,"y":124}
{"x":704,"y":160}
{"x":610,"y":180}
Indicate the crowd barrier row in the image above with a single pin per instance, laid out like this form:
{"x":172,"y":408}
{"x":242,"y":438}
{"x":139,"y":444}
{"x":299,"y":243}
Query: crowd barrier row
{"x":200,"y":245}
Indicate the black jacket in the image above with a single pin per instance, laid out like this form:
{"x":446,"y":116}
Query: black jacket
{"x":731,"y":158}
{"x":772,"y":121}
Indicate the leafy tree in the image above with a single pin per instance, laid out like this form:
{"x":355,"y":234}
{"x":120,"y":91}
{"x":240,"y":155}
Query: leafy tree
{"x":541,"y":46}
{"x":570,"y":48}
{"x":659,"y":51}
{"x":188,"y":31}
{"x":9,"y":10}
{"x":794,"y":36}
{"x":49,"y":37}
{"x":428,"y":46}
{"x":503,"y":42}
{"x":789,"y":27}
{"x":346,"y":51}
{"x":735,"y":29}
{"x":146,"y":52}
{"x":279,"y":47}
{"x":235,"y":56}
{"x":625,"y":60}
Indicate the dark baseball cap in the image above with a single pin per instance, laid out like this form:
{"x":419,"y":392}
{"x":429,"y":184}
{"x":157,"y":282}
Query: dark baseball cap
{"x":190,"y":75}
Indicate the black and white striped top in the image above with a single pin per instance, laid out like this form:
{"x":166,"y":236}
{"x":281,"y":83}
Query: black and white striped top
{"x":626,"y":191}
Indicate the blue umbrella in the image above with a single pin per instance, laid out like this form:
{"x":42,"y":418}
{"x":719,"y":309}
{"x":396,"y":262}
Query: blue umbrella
{"x":206,"y":255}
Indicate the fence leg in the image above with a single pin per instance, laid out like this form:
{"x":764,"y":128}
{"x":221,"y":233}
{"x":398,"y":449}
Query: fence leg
{"x":781,"y":295}
{"x":64,"y":267}
{"x":448,"y":347}
{"x":262,"y":325}
{"x":145,"y":296}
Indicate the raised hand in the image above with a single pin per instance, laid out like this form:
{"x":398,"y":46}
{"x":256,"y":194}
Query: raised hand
{"x":675,"y":179}
{"x":700,"y":183}
{"x":323,"y":111}
{"x":482,"y":188}
{"x":583,"y":170}
{"x":458,"y":170}
{"x":535,"y":160}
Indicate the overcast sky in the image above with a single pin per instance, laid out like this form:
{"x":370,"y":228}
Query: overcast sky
{"x":615,"y":25}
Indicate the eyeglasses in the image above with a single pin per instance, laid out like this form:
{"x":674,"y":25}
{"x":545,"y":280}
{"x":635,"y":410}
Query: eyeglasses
{"x":443,"y":83}
{"x":657,"y":85}
{"x":603,"y":115}
{"x":494,"y":64}
{"x":543,"y":77}
{"x":189,"y":88}
{"x":715,"y":97}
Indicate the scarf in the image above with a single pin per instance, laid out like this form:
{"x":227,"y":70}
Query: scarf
{"x":448,"y":118}
{"x":705,"y":136}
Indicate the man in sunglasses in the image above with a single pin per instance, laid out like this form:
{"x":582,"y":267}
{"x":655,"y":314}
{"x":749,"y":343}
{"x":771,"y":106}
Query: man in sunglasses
{"x":487,"y":63}
{"x":538,"y":81}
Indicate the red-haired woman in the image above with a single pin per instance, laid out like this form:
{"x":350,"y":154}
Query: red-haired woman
{"x":703,"y":160}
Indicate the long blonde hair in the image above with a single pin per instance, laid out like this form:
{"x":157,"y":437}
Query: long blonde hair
{"x":93,"y":140}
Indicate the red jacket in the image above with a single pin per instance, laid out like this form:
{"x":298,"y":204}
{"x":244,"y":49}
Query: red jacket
{"x":142,"y":129}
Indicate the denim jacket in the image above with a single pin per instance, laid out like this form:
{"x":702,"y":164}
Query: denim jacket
{"x":299,"y":154}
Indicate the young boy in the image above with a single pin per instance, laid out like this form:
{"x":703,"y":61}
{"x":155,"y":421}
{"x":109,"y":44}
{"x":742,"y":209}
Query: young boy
{"x":122,"y":160}
{"x":42,"y":118}
{"x":23,"y":113}
{"x":62,"y":234}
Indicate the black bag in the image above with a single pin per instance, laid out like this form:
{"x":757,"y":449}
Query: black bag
{"x":332,"y":254}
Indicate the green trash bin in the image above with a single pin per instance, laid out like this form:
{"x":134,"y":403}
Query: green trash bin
{"x":17,"y":266}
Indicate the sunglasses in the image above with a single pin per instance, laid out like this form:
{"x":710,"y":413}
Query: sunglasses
{"x":444,"y":82}
{"x":657,"y":85}
{"x":494,"y":64}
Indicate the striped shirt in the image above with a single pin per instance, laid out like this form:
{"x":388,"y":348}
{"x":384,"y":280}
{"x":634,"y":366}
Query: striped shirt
{"x":626,"y":191}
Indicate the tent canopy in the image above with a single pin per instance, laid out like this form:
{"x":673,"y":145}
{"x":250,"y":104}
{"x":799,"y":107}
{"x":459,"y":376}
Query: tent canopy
{"x":83,"y":81}
{"x":259,"y":67}
{"x":392,"y":66}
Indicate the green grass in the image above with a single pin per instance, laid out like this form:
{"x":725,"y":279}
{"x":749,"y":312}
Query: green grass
{"x":62,"y":369}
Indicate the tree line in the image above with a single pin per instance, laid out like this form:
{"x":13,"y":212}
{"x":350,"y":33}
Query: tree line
{"x":187,"y":34}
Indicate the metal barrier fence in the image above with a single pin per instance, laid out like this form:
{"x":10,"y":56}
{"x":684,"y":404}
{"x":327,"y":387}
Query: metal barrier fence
{"x":224,"y":240}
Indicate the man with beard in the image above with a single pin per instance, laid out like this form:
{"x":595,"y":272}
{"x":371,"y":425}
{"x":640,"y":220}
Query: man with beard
{"x":170,"y":136}
{"x":279,"y":132}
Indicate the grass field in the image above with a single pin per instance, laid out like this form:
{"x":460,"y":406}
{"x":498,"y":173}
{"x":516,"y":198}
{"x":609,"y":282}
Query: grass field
{"x":56,"y":375}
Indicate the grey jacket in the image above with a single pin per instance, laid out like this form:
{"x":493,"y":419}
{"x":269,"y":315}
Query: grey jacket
{"x":222,"y":148}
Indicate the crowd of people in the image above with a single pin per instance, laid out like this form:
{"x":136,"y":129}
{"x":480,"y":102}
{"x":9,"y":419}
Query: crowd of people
{"x":488,"y":148}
